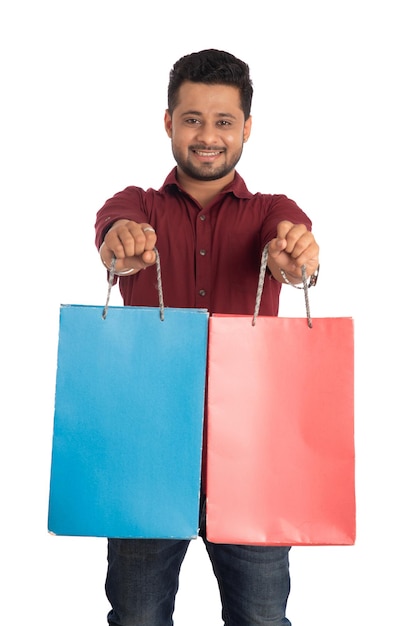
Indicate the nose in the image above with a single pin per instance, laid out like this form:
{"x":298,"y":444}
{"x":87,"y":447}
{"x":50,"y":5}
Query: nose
{"x":207,"y":134}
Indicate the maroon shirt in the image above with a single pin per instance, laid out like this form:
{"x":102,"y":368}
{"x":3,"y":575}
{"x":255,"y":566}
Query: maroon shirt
{"x":210,"y":257}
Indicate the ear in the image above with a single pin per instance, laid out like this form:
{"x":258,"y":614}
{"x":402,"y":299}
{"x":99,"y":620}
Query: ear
{"x":168,"y":123}
{"x":247,"y":128}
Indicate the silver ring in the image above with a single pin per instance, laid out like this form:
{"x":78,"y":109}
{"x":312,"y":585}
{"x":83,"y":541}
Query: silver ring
{"x":148,"y":228}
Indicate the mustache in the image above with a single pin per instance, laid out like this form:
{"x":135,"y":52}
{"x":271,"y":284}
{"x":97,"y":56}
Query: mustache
{"x":207,"y":148}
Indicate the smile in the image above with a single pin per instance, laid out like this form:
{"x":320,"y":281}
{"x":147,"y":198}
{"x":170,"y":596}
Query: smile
{"x":205,"y":153}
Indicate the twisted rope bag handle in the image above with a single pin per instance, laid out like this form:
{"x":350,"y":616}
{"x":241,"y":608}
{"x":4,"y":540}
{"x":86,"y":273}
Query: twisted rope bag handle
{"x":159,"y":285}
{"x":261,"y":276}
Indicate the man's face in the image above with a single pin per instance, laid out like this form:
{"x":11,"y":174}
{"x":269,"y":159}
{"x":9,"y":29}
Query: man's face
{"x":207,"y":130}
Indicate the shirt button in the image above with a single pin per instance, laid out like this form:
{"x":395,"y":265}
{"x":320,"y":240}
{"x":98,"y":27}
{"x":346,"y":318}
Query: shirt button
{"x":202,"y":292}
{"x":202,"y":252}
{"x":202,"y":218}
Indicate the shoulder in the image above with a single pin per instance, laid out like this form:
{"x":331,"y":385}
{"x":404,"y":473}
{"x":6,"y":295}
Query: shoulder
{"x":279,"y":207}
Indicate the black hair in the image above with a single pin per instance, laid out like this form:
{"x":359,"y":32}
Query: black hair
{"x":212,"y":67}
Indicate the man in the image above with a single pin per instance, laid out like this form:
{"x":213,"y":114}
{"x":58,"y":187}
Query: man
{"x":209,"y":231}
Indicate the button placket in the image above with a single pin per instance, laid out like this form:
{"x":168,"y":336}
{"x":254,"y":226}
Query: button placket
{"x":203,"y":242}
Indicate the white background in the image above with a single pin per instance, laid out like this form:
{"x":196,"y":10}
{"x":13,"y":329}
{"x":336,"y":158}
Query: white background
{"x":83,"y":93}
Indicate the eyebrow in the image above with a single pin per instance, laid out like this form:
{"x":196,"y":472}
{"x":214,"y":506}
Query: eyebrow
{"x":199,"y":113}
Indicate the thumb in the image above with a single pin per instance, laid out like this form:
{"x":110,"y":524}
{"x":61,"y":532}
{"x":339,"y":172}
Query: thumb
{"x":277,"y":245}
{"x":149,"y":257}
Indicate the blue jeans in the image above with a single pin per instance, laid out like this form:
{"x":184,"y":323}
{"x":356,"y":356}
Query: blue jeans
{"x":143,"y":577}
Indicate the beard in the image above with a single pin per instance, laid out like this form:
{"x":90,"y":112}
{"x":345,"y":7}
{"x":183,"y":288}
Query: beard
{"x":205,"y":171}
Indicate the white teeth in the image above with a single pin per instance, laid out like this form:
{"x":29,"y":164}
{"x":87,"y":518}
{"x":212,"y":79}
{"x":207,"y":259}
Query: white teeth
{"x":206,"y":153}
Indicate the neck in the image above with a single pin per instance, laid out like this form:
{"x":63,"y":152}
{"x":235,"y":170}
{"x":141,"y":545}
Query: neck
{"x":203,"y":191}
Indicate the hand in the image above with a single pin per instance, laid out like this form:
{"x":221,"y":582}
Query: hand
{"x":132,"y":244}
{"x":294,"y":246}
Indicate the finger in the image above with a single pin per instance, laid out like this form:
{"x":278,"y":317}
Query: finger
{"x":303,"y":246}
{"x":150,"y":237}
{"x":128,"y":239}
{"x":135,"y":240}
{"x":145,"y":254}
{"x":121,"y":239}
{"x":283,"y":229}
{"x":308,"y":256}
{"x":276,"y":246}
{"x":149,"y":257}
{"x":114,"y":244}
{"x":297,"y":239}
{"x":144,"y":239}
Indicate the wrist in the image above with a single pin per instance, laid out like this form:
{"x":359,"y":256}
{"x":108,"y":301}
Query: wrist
{"x":311,"y":281}
{"x":290,"y":279}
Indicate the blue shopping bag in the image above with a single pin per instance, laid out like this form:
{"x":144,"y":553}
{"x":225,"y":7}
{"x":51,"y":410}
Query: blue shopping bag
{"x":128,"y":422}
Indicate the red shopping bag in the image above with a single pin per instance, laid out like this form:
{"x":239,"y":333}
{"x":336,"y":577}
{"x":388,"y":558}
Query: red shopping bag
{"x":280,"y":466}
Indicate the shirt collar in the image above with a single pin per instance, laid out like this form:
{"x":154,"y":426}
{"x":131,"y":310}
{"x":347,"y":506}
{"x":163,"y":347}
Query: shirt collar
{"x":236,"y":187}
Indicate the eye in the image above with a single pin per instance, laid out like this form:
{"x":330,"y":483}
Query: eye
{"x":191,"y":121}
{"x":224,"y":123}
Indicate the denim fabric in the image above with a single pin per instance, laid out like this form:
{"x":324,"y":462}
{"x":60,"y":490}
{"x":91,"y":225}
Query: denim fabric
{"x":143,"y":574}
{"x":142,"y":580}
